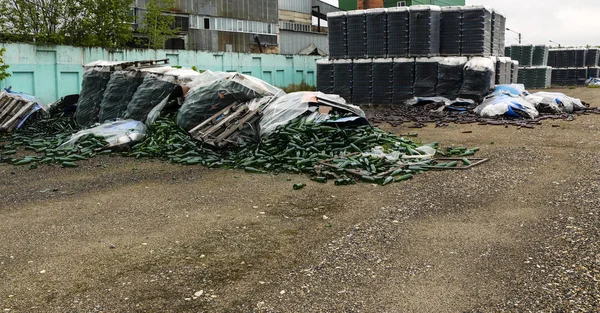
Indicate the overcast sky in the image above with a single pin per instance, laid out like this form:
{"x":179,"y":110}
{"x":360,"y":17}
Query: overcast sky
{"x":568,"y":22}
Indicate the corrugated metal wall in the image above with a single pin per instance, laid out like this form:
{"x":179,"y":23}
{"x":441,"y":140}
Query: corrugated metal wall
{"x":50,"y":72}
{"x":291,"y":42}
{"x":303,"y":6}
{"x":211,"y":40}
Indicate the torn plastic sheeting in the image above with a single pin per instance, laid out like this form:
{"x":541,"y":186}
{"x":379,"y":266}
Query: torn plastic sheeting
{"x":427,"y":153}
{"x":446,"y":101}
{"x":286,"y":108}
{"x":502,"y":104}
{"x":555,"y":102}
{"x":512,"y":89}
{"x":593,"y":82}
{"x":207,"y":98}
{"x":117,"y":133}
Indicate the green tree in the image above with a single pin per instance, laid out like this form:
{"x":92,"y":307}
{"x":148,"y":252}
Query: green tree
{"x":156,"y":26}
{"x":3,"y":67}
{"x":102,"y":23}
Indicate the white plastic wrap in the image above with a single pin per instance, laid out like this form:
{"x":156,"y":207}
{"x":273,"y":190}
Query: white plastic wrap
{"x":555,"y":102}
{"x":117,"y":133}
{"x":503,"y":104}
{"x":286,"y":108}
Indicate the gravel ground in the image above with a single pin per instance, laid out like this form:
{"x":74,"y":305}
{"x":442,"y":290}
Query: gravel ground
{"x":517,"y":234}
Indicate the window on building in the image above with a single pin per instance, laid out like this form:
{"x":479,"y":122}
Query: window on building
{"x":182,"y":23}
{"x":240,"y":26}
{"x":401,"y":3}
{"x":206,"y":23}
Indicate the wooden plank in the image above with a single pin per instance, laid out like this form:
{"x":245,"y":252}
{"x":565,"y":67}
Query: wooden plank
{"x":14,"y":121}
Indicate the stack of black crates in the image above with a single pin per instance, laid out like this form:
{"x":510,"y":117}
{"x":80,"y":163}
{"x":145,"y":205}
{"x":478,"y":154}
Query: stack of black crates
{"x":573,"y":66}
{"x":387,"y":56}
{"x":533,"y":71}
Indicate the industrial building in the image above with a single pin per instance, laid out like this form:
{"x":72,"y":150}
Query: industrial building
{"x":258,"y":26}
{"x":348,"y":5}
{"x":221,"y":25}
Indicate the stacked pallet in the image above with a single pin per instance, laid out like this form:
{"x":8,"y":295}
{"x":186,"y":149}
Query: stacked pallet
{"x":382,"y":56}
{"x":573,"y":66}
{"x":14,"y":109}
{"x":417,"y":31}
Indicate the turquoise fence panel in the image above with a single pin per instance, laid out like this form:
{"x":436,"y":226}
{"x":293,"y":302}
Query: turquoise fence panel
{"x":50,"y":72}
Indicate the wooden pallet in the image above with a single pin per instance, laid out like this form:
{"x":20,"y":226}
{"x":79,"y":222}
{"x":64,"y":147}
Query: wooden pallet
{"x":13,"y":109}
{"x":217,"y":130}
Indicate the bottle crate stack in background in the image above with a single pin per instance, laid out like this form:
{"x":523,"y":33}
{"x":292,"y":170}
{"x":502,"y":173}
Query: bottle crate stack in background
{"x":383,"y":56}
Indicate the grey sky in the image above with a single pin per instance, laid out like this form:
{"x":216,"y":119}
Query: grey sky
{"x":570,"y":23}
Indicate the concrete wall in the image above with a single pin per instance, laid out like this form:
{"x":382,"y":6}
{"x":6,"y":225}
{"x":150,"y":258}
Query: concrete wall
{"x":50,"y":72}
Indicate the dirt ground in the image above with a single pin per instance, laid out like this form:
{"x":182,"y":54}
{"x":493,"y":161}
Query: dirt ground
{"x":519,"y":233}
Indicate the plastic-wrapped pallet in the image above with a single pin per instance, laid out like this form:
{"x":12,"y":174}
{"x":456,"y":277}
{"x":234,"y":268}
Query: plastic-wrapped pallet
{"x":580,"y":55}
{"x":560,"y":77}
{"x":213,"y":95}
{"x":526,"y":55}
{"x":477,"y":31}
{"x":582,"y":76}
{"x":566,"y":58}
{"x":516,"y":52}
{"x":342,"y":79}
{"x":543,"y":77}
{"x":540,"y":55}
{"x":507,"y":79}
{"x":424,"y":36}
{"x":362,"y":80}
{"x":552,"y":55}
{"x":593,"y":72}
{"x":478,"y":78}
{"x":119,"y":91}
{"x":357,"y":34}
{"x":501,"y":35}
{"x":426,"y":73}
{"x":591,"y":58}
{"x":500,"y":71}
{"x":450,"y":30}
{"x":450,"y":76}
{"x":571,"y":58}
{"x":377,"y":33}
{"x":498,"y":33}
{"x":514,"y":72}
{"x":325,"y":76}
{"x":404,"y":79}
{"x":382,"y":81}
{"x":338,"y":35}
{"x":153,"y":90}
{"x":92,"y":92}
{"x":398,"y":32}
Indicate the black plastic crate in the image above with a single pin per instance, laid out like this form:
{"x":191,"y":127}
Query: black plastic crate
{"x":424,"y":31}
{"x":404,"y":79}
{"x":450,"y":31}
{"x":398,"y":32}
{"x":362,"y":81}
{"x":383,"y":84}
{"x":325,"y":77}
{"x":338,"y":32}
{"x":376,"y":33}
{"x":342,"y":79}
{"x":357,"y":34}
